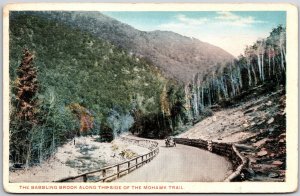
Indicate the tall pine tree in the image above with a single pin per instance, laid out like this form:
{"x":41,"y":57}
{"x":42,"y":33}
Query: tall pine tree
{"x":25,"y":90}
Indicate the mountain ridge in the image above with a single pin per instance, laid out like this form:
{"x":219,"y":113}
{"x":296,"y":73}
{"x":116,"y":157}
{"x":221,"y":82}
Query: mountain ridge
{"x":177,"y":56}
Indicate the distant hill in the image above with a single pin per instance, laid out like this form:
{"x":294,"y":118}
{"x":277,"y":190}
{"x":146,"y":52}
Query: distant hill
{"x":177,"y":56}
{"x":80,"y":78}
{"x":91,"y":70}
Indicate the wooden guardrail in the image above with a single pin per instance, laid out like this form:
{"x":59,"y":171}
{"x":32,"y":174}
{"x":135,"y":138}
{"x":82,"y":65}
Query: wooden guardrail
{"x":238,"y":158}
{"x":112,"y":172}
{"x":224,"y":149}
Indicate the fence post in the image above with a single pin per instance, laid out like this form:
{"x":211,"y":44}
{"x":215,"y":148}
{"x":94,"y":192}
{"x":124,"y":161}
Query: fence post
{"x":136,"y":162}
{"x":118,"y":171}
{"x":128,"y":166}
{"x":209,"y":145}
{"x":84,"y":178}
{"x":104,"y":174}
{"x":142,"y":159}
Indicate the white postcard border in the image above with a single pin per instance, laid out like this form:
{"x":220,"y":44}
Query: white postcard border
{"x":291,"y":182}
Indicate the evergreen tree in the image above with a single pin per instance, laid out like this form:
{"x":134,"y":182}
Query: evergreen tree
{"x":25,"y":89}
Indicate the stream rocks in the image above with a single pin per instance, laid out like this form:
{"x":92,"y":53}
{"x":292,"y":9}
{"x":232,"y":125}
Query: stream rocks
{"x":86,"y":155}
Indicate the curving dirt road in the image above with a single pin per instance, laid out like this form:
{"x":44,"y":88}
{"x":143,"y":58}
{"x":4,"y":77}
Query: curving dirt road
{"x":181,"y":164}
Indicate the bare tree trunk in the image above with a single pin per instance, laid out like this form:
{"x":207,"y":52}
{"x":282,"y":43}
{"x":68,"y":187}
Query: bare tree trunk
{"x":202,"y":97}
{"x":282,"y":51}
{"x":232,"y":81}
{"x":209,"y":96}
{"x":262,"y":66}
{"x":254,"y":74}
{"x":259,"y":65}
{"x":232,"y":85}
{"x":249,"y":68}
{"x":273,"y":60}
{"x":239,"y":77}
{"x":195,"y":104}
{"x":224,"y":87}
{"x":219,"y":89}
{"x":281,"y":58}
{"x":269,"y":55}
{"x":41,"y":147}
{"x":249,"y":74}
{"x":284,"y":55}
{"x":28,"y":155}
{"x":199,"y":97}
{"x":53,"y":142}
{"x":186,"y":91}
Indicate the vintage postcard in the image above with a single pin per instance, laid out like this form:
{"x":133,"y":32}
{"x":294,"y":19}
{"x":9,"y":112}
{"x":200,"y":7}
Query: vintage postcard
{"x":150,"y":98}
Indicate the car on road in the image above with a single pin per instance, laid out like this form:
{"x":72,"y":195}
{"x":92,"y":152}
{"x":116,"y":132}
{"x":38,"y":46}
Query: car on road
{"x":170,"y":142}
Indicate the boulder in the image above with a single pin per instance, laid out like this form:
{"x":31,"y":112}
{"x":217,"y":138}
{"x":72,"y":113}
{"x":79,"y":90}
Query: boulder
{"x":252,"y":160}
{"x":249,"y":111}
{"x":281,"y":172}
{"x":263,"y":167}
{"x":269,"y":103}
{"x":245,"y":125}
{"x":244,"y":146}
{"x":260,"y":122}
{"x":281,"y":136}
{"x":214,"y":118}
{"x":283,"y":112}
{"x":262,"y":153}
{"x":250,"y":171}
{"x":260,"y":142}
{"x":277,"y":163}
{"x":273,"y":175}
{"x":270,"y":120}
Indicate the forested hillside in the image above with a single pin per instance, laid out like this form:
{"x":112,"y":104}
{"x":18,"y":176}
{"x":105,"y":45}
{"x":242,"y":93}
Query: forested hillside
{"x":177,"y":56}
{"x":82,"y":85}
{"x":263,"y":63}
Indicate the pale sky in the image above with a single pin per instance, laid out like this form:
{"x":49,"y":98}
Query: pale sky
{"x":231,"y":31}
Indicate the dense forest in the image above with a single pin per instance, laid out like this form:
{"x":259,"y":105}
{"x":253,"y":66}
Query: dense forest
{"x":65,"y":82}
{"x":82,"y":85}
{"x":177,"y":56}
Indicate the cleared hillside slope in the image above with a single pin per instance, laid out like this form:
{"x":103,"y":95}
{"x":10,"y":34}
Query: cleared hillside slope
{"x":257,"y":126}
